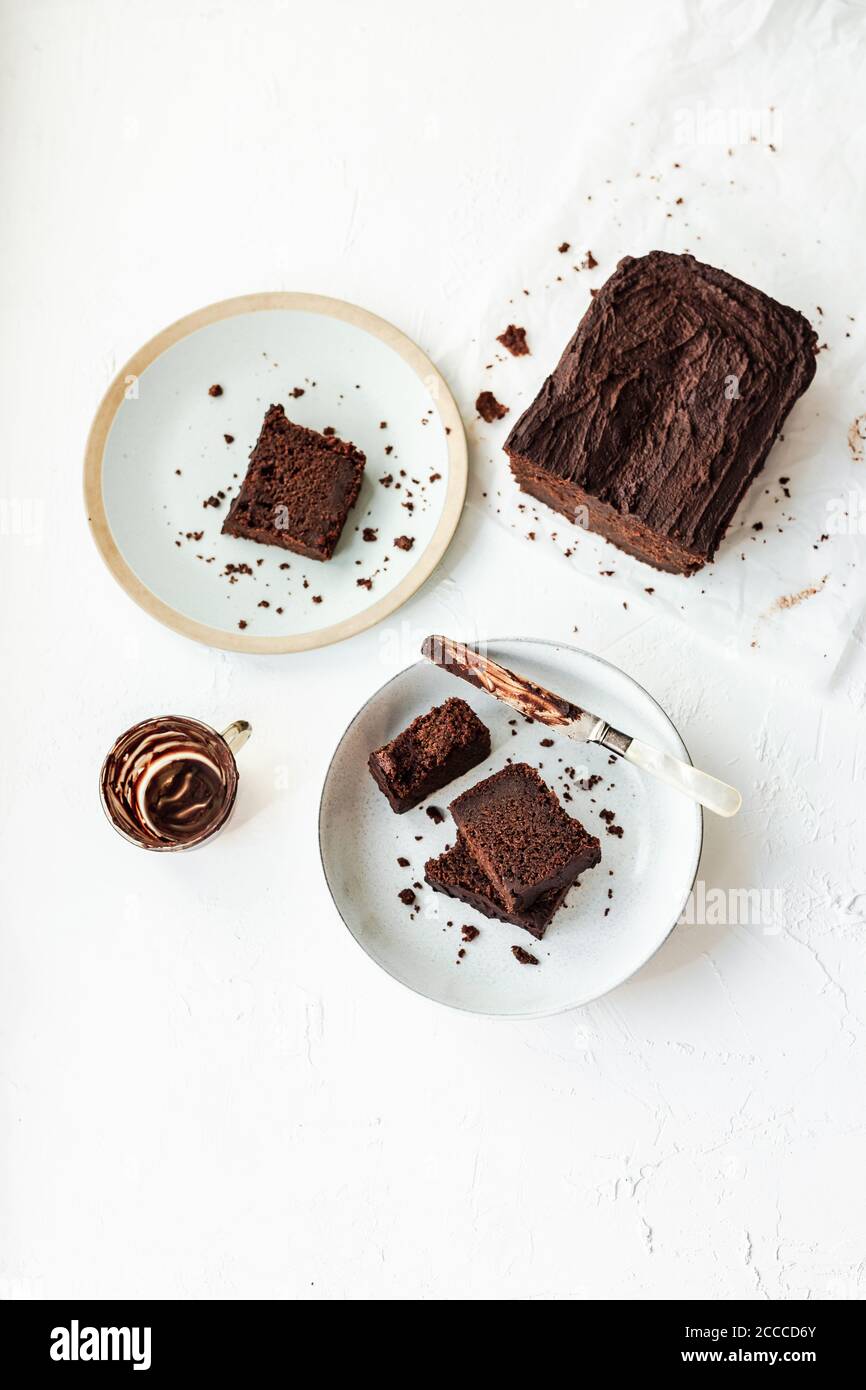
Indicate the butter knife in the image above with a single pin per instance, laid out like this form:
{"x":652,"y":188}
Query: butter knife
{"x":535,"y":702}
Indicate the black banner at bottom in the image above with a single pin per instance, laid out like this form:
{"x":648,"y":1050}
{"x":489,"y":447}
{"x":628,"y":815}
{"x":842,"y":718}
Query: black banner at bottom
{"x":162,"y":1340}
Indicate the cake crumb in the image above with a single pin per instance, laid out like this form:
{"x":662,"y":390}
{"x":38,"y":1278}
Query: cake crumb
{"x":489,"y":408}
{"x":524,"y":957}
{"x":514,"y":339}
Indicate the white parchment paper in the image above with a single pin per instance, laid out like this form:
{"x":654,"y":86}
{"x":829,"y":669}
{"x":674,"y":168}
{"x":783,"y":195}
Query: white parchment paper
{"x":749,"y":150}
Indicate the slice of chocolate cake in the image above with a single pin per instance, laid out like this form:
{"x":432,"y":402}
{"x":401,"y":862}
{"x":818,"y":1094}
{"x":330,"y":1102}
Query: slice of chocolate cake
{"x":520,"y":836}
{"x":458,"y":875}
{"x":434,"y":749}
{"x":298,"y":490}
{"x":663,"y":408}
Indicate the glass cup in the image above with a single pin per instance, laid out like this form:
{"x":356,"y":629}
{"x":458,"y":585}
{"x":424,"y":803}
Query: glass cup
{"x":170,"y":783}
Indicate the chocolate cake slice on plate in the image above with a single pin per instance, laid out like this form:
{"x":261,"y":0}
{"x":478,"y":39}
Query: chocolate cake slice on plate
{"x":521,"y":838}
{"x":457,"y":873}
{"x":433,"y":750}
{"x":298,"y":490}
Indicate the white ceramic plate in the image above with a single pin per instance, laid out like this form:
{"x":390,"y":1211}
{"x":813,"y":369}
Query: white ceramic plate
{"x":157,"y":451}
{"x":616,"y":918}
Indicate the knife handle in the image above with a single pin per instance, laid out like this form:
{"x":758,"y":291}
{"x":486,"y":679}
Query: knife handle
{"x":709,"y":791}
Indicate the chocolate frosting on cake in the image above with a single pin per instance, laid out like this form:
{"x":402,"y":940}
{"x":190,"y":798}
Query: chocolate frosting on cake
{"x":664,"y":406}
{"x":532,"y":700}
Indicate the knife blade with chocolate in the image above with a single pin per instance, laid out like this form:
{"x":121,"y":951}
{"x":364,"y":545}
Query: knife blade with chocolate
{"x":535,"y":702}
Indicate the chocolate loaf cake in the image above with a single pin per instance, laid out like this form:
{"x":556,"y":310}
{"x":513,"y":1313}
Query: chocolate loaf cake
{"x":663,"y":408}
{"x":298,"y":489}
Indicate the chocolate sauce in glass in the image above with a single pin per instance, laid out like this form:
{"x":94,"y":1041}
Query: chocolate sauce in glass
{"x":169,"y":783}
{"x":182,"y":797}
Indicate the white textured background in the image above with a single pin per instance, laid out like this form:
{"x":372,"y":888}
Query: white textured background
{"x":206,"y":1088}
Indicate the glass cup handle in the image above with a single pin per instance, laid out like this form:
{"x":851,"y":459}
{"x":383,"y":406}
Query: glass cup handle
{"x":237,"y":734}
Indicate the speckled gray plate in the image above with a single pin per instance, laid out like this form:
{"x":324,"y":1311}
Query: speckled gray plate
{"x":613,"y":921}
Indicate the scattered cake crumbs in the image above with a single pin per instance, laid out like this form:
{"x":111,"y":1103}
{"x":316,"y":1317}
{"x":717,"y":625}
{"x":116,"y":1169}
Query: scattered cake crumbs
{"x":297,"y":391}
{"x":229,"y":438}
{"x":242,"y":624}
{"x":564,"y":247}
{"x":469,"y":933}
{"x":215,"y":390}
{"x":404,"y":542}
{"x":547,"y":743}
{"x":436,"y":815}
{"x":403,"y":861}
{"x":369,"y":533}
{"x":407,"y":896}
